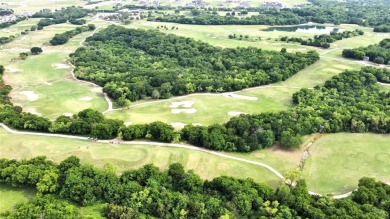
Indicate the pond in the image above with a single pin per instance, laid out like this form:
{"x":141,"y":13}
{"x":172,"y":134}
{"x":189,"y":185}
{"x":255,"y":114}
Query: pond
{"x":305,"y":29}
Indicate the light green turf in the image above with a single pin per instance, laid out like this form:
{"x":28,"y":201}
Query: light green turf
{"x":21,"y":6}
{"x":209,"y":109}
{"x":10,"y":196}
{"x":126,"y":157}
{"x":21,"y":26}
{"x":57,"y":92}
{"x":338,"y":161}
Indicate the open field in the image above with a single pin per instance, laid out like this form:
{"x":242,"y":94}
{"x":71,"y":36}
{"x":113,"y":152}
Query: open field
{"x":223,"y":107}
{"x":21,"y":26}
{"x":338,"y":161}
{"x":21,"y":6}
{"x":10,"y":196}
{"x":42,"y":84}
{"x":126,"y":157}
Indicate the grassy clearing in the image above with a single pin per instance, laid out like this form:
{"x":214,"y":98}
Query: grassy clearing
{"x":269,"y":100}
{"x":338,"y":161}
{"x":57,"y":92}
{"x":10,"y":196}
{"x":20,"y":6}
{"x":16,"y":29}
{"x":134,"y":156}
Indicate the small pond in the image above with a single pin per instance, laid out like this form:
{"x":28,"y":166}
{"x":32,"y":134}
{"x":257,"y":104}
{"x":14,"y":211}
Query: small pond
{"x":305,"y":29}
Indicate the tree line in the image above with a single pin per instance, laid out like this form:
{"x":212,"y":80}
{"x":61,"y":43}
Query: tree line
{"x":134,"y":64}
{"x":323,"y":40}
{"x":175,"y":193}
{"x":64,"y":15}
{"x":64,"y":37}
{"x":13,"y":22}
{"x":377,"y":53}
{"x":349,"y":102}
{"x":382,"y":28}
{"x":366,"y":13}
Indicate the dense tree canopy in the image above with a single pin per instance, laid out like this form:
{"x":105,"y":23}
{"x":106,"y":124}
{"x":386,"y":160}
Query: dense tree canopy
{"x":50,"y":17}
{"x":64,"y":37}
{"x":366,"y":13}
{"x":176,"y":193}
{"x":133,"y":63}
{"x":324,"y":40}
{"x":378,"y":53}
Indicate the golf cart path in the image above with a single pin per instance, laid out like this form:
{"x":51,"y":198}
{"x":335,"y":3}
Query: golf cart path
{"x":183,"y":146}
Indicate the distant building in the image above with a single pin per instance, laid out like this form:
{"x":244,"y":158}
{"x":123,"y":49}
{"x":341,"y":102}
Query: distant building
{"x":366,"y":58}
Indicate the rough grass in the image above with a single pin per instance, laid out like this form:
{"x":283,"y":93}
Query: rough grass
{"x":10,"y":196}
{"x":210,"y":109}
{"x":126,"y":157}
{"x":338,"y":161}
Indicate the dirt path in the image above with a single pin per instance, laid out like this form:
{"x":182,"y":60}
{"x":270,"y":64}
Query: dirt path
{"x":184,"y":146}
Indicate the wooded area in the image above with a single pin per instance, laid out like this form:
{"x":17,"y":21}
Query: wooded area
{"x":64,"y":37}
{"x":175,"y":193}
{"x":135,"y":64}
{"x":365,"y":13}
{"x":377,"y":53}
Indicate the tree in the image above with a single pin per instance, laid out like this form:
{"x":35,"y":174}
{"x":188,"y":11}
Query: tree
{"x":35,"y":50}
{"x":123,"y":102}
{"x":23,"y":55}
{"x":290,"y":141}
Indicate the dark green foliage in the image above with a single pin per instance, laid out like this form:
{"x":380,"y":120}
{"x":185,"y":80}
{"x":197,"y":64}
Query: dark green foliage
{"x":134,"y":63}
{"x":36,"y":50}
{"x":378,"y":53}
{"x":45,"y":206}
{"x":324,"y":40}
{"x":5,"y":40}
{"x":60,"y":16}
{"x":176,"y":193}
{"x":10,"y":23}
{"x":366,"y":13}
{"x":349,"y":102}
{"x":78,"y":21}
{"x":64,"y":37}
{"x":382,"y":28}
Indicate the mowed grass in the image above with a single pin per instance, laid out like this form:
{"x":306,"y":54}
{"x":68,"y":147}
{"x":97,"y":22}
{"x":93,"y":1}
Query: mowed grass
{"x":21,"y":6}
{"x":57,"y":92}
{"x":10,"y":196}
{"x":126,"y":157}
{"x":210,"y":109}
{"x":338,"y":161}
{"x":17,"y":29}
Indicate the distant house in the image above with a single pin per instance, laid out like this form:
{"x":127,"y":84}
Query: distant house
{"x":366,"y":58}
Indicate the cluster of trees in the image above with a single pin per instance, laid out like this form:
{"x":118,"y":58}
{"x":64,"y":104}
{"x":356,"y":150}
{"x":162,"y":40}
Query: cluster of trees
{"x":378,"y":53}
{"x":77,"y":21}
{"x":176,"y":193}
{"x":324,"y":40}
{"x":382,"y":28}
{"x":64,"y":37}
{"x":4,"y":12}
{"x":5,"y":40}
{"x":10,"y":23}
{"x":133,"y":64}
{"x":349,"y":102}
{"x":366,"y":13}
{"x":70,"y":14}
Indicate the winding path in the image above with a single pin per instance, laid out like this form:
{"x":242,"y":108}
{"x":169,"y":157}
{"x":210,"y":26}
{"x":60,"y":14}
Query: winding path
{"x":184,"y":146}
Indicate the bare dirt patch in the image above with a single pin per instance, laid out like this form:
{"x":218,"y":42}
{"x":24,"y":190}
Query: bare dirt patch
{"x":30,"y":95}
{"x":235,"y":113}
{"x":185,"y":104}
{"x":85,"y":98}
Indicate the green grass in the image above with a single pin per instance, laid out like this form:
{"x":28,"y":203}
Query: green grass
{"x":269,"y":100}
{"x":20,"y":6}
{"x":21,"y":26}
{"x":57,"y":92}
{"x":10,"y":196}
{"x":338,"y":161}
{"x":126,"y":157}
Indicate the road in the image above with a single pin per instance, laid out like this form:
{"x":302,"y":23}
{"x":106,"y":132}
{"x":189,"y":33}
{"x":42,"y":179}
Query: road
{"x":184,"y":146}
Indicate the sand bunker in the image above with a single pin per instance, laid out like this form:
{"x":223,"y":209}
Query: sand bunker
{"x":196,"y":124}
{"x":48,"y":83}
{"x":61,"y":66}
{"x":10,"y":69}
{"x":188,"y":111}
{"x":185,"y":104}
{"x":240,"y":96}
{"x":178,"y":124}
{"x":68,"y":114}
{"x":30,"y":95}
{"x":32,"y":110}
{"x":128,"y":123}
{"x":235,"y":113}
{"x":86,"y":98}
